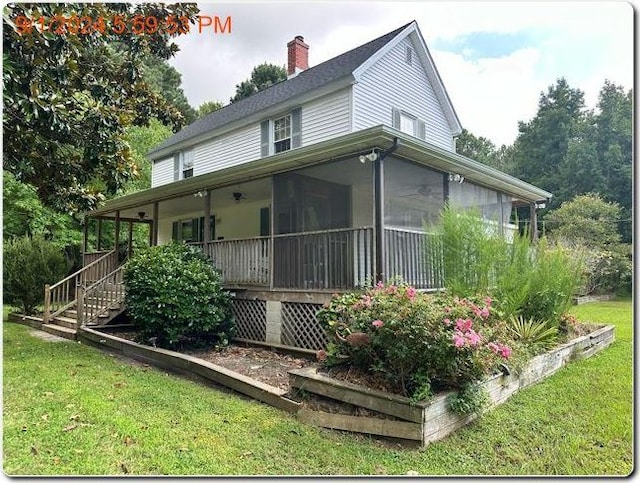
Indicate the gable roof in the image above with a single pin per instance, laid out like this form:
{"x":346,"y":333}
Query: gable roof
{"x":331,"y":70}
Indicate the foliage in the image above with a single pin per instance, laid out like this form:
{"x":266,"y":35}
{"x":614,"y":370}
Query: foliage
{"x":166,"y":82}
{"x":533,"y":332}
{"x":606,"y":270}
{"x":533,"y":280}
{"x":472,"y":398}
{"x":175,"y":296}
{"x":208,"y":107}
{"x":418,"y":342}
{"x":142,"y":139}
{"x":29,"y":264}
{"x":69,"y":97}
{"x":262,"y":76}
{"x":470,"y":249}
{"x":585,"y":219}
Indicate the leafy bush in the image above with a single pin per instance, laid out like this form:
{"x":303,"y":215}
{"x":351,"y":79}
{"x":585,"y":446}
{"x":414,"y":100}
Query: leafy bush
{"x":472,"y":398}
{"x":530,"y":279}
{"x":173,"y":294}
{"x":418,"y":342}
{"x":29,"y":264}
{"x":605,"y":270}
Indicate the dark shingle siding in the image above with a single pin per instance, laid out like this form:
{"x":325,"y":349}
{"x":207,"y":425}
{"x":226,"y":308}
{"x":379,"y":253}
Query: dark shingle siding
{"x":306,"y":81}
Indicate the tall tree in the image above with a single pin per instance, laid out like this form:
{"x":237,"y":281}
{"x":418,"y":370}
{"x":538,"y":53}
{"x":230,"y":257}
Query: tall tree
{"x":543,"y":142}
{"x":69,"y":94}
{"x":166,"y":82}
{"x":479,"y":148}
{"x":208,"y":107}
{"x":262,"y":76}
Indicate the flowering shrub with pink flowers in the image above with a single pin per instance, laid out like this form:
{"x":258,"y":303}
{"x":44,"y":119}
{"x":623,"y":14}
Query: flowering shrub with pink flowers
{"x":419,"y":343}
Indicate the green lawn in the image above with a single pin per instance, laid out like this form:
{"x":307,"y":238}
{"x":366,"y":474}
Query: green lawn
{"x":73,"y":410}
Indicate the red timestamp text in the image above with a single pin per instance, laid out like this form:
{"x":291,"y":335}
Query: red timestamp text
{"x":121,"y":25}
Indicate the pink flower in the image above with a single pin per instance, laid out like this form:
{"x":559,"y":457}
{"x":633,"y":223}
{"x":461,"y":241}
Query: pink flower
{"x":447,"y":321}
{"x":392,"y":289}
{"x":380,"y":284}
{"x":366,"y":301}
{"x":473,"y":337}
{"x":377,"y":323}
{"x":464,"y":325}
{"x":458,"y":339}
{"x":494,"y":347}
{"x":506,"y":351}
{"x":484,"y":313}
{"x":488,"y":301}
{"x":321,"y":355}
{"x":411,"y":293}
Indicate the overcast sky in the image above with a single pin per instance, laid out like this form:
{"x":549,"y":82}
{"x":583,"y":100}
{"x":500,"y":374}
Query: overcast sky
{"x":494,"y":57}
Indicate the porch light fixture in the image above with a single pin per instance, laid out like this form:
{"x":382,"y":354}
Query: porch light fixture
{"x":456,"y":177}
{"x":372,"y":156}
{"x":238,"y":196}
{"x":200,"y":194}
{"x":541,"y":205}
{"x":141,"y":214}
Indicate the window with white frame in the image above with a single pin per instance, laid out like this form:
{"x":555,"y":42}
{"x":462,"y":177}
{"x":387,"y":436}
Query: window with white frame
{"x":282,"y":134}
{"x":187,"y":164}
{"x":408,"y":124}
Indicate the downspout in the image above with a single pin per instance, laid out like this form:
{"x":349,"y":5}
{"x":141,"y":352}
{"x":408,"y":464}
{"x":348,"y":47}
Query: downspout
{"x":378,"y":196}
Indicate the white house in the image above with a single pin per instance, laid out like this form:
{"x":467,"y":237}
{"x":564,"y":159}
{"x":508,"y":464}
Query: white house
{"x":320,"y":183}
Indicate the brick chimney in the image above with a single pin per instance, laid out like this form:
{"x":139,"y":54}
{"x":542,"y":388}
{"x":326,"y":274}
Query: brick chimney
{"x":298,"y":56}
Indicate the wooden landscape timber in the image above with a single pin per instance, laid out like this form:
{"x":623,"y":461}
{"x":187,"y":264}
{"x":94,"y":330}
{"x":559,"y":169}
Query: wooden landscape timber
{"x":434,"y":417}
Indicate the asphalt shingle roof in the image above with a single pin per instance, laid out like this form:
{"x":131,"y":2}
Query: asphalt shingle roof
{"x":306,"y":81}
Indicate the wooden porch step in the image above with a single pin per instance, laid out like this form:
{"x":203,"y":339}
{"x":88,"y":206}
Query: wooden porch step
{"x":60,"y":331}
{"x":67,"y":322}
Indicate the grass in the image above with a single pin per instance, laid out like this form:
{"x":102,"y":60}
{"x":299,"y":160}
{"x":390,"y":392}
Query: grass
{"x":73,"y":410}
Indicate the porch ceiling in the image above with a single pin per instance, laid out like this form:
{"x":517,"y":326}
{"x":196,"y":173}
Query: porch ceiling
{"x":360,"y":142}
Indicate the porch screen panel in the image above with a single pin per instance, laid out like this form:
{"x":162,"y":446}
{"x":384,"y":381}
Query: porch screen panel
{"x":413,"y":195}
{"x":471,"y":196}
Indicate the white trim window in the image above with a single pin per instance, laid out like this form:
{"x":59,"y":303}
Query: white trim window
{"x":408,"y":124}
{"x":187,"y":164}
{"x":282,"y":134}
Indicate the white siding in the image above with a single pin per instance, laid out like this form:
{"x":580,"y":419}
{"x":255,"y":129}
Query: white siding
{"x":162,"y":172}
{"x":231,"y":149}
{"x":326,"y":117}
{"x":391,"y":82}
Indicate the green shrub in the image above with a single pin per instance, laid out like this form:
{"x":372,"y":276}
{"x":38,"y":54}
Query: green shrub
{"x":419,"y":342}
{"x":173,"y":294}
{"x":534,"y":280}
{"x":29,"y":264}
{"x":533,"y":332}
{"x":606,"y":270}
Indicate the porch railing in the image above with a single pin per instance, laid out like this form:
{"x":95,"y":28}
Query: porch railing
{"x":63,"y":294}
{"x":329,"y":259}
{"x":100,"y":297}
{"x":90,"y":257}
{"x":242,"y":261}
{"x":415,"y":257}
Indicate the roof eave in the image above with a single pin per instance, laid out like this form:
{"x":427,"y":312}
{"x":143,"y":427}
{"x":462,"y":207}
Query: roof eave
{"x":350,"y":144}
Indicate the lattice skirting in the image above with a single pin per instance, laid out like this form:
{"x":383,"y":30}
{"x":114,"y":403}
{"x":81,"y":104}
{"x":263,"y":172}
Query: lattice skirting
{"x":300,"y":328}
{"x":251,"y":319}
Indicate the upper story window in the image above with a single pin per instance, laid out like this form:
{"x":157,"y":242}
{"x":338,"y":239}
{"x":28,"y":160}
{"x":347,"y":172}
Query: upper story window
{"x":187,"y":164}
{"x":282,"y":134}
{"x":183,"y":165}
{"x":408,"y":123}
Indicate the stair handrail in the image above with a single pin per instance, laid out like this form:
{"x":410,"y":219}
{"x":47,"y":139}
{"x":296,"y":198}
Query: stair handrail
{"x":84,"y":291}
{"x":51,"y":291}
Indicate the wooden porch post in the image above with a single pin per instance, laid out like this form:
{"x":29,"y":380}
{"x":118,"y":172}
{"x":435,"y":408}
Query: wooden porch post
{"x":534,"y":222}
{"x":99,"y":235}
{"x":378,"y":198}
{"x":116,"y":238}
{"x":271,"y":239}
{"x":130,"y":244}
{"x":154,"y":229}
{"x":207,"y":219}
{"x":85,"y":235}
